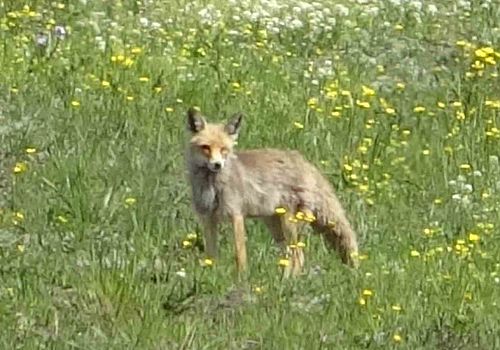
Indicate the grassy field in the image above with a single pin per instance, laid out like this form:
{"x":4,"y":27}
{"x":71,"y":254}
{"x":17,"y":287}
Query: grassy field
{"x":397,"y":101}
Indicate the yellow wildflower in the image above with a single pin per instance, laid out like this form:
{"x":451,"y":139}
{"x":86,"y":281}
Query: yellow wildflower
{"x":397,"y":338}
{"x":20,"y":167}
{"x":284,"y":262}
{"x":280,"y":210}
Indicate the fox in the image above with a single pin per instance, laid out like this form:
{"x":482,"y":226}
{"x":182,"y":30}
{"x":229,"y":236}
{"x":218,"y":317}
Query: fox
{"x":276,"y":186}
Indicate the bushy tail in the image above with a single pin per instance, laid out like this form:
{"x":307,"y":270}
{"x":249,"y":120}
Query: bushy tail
{"x":332,"y":223}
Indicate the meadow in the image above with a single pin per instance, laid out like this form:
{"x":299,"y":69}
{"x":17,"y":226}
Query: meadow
{"x":397,"y":102}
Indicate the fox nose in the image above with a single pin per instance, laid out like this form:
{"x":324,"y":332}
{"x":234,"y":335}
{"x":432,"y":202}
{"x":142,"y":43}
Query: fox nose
{"x":217,"y":165}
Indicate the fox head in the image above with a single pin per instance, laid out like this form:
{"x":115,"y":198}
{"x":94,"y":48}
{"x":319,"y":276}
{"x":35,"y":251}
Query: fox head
{"x":211,"y":145}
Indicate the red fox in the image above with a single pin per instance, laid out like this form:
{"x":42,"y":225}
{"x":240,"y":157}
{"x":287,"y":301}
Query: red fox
{"x":276,"y":186}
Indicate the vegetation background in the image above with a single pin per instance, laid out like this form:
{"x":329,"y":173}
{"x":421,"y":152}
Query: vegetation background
{"x":397,"y":101}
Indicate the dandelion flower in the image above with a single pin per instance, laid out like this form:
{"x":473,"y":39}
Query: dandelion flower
{"x":474,"y":237}
{"x":397,"y":338}
{"x":280,"y":210}
{"x":284,"y":262}
{"x":415,"y":253}
{"x":367,"y":293}
{"x":30,"y":150}
{"x":130,"y":201}
{"x":20,"y":167}
{"x":208,"y":262}
{"x":396,"y":307}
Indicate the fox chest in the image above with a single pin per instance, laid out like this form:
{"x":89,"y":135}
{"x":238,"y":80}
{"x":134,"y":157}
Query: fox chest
{"x":206,"y":198}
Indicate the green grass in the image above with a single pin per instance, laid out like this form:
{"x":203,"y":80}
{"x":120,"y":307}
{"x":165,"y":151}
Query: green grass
{"x":94,"y":205}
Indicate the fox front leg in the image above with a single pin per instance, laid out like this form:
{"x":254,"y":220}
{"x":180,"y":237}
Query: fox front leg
{"x":210,"y":236}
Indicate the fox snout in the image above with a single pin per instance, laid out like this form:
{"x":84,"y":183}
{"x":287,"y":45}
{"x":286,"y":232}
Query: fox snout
{"x":216,"y":163}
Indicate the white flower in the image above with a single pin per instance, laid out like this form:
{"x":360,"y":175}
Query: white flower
{"x":41,"y":40}
{"x":477,"y":173}
{"x":417,"y":5}
{"x":296,"y":24}
{"x":493,"y":161}
{"x":341,"y":10}
{"x":467,"y":188}
{"x":432,"y":9}
{"x":181,"y":273}
{"x":144,"y":21}
{"x":456,"y":197}
{"x":60,"y":32}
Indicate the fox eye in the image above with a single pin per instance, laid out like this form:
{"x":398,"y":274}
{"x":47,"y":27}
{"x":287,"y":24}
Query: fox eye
{"x":205,"y":149}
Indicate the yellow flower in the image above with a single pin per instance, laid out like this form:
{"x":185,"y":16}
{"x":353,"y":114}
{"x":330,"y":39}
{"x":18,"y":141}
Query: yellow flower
{"x":130,"y":201}
{"x":20,"y":248}
{"x":257,"y":290}
{"x":389,"y":110}
{"x":75,"y":103}
{"x":414,"y":253}
{"x":128,"y":62}
{"x":419,"y":109}
{"x":300,"y":215}
{"x":474,"y":237}
{"x":426,"y":152}
{"x":136,"y":50}
{"x":363,"y":104}
{"x":30,"y":150}
{"x":367,"y":91}
{"x":105,"y":83}
{"x":301,"y":245}
{"x":19,"y":216}
{"x":284,"y":262}
{"x":20,"y":167}
{"x":280,"y":211}
{"x":208,"y":262}
{"x":191,"y":236}
{"x":310,"y":217}
{"x":397,"y":338}
{"x":400,"y":86}
{"x":144,"y":79}
{"x":169,"y":109}
{"x":62,"y":219}
{"x":187,"y":244}
{"x":362,"y":301}
{"x":312,"y":102}
{"x":398,"y":27}
{"x":367,"y":293}
{"x":396,"y":307}
{"x":298,"y":125}
{"x":465,"y":166}
{"x":468,"y":295}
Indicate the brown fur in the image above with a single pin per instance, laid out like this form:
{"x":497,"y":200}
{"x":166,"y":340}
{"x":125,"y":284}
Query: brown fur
{"x":253,"y":183}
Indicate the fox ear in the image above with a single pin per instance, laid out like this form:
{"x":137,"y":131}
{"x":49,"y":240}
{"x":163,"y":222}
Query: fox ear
{"x":196,"y":122}
{"x":233,"y":126}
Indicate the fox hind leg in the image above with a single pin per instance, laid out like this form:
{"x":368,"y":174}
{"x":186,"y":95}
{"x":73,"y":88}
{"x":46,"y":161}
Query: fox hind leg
{"x":285,"y":235}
